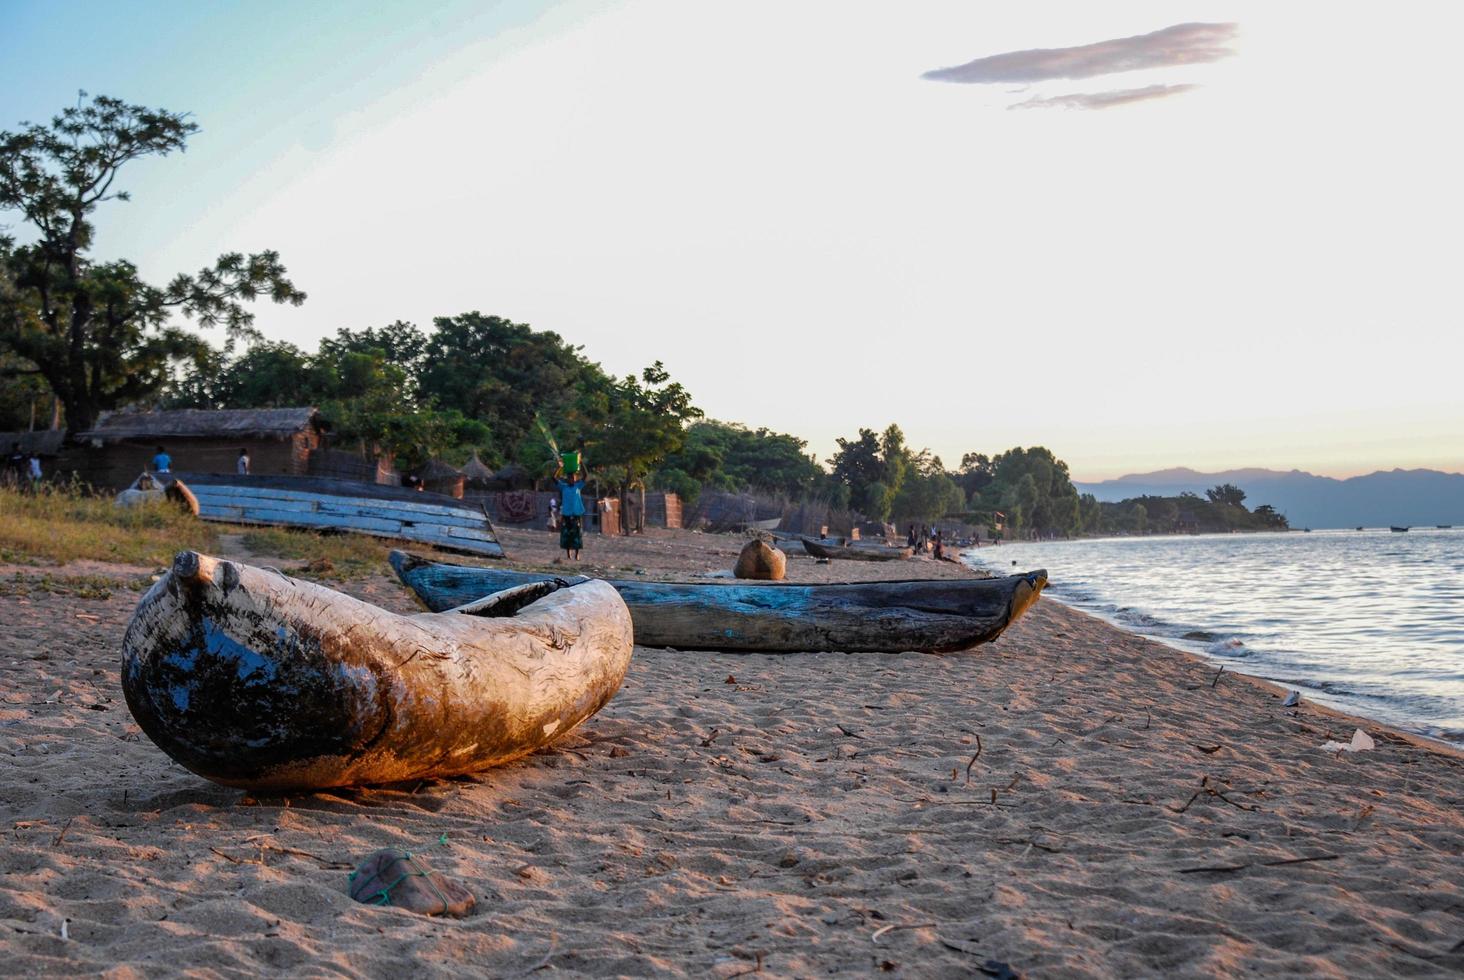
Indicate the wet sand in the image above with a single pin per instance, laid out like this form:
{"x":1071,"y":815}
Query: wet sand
{"x":1072,"y":800}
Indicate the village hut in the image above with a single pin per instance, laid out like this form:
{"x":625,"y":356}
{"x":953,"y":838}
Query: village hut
{"x":119,"y":446}
{"x":440,"y":477}
{"x":476,"y":474}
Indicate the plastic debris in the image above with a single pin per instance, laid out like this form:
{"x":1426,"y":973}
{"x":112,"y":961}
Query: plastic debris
{"x":1361,"y":742}
{"x":1292,"y":700}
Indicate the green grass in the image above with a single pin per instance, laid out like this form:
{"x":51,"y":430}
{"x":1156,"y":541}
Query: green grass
{"x":328,"y":556}
{"x":80,"y":586}
{"x":62,"y":524}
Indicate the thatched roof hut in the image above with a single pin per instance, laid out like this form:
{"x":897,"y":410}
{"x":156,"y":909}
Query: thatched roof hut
{"x":116,"y":449}
{"x":477,"y":474}
{"x":440,"y":477}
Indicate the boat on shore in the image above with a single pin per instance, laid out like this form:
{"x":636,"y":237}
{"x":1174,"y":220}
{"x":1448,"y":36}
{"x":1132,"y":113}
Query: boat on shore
{"x":253,"y":679}
{"x":325,"y":504}
{"x":928,"y":615}
{"x":851,"y":552}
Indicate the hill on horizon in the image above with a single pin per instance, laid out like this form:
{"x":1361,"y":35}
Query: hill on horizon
{"x":1387,"y":497}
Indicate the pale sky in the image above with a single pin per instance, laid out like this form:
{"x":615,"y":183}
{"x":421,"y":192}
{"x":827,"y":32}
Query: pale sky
{"x":1243,"y":260}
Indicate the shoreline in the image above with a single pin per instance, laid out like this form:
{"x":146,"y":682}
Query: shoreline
{"x":1072,"y":799}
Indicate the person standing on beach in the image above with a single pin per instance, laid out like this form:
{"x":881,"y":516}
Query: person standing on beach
{"x":34,"y":472}
{"x":162,"y":462}
{"x":241,"y":465}
{"x":910,"y":538}
{"x":571,"y":510}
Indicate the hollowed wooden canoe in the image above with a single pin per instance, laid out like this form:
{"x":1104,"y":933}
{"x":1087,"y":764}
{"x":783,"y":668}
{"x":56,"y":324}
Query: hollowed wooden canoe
{"x":254,"y":679}
{"x":933,"y":615}
{"x":854,"y":552}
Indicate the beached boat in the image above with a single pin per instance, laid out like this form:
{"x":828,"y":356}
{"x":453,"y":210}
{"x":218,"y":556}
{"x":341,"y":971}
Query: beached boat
{"x":322,"y":503}
{"x":855,"y":552}
{"x":934,"y":615}
{"x":254,"y":679}
{"x":1398,"y":530}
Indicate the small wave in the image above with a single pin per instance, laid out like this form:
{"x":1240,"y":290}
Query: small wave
{"x":1230,"y":647}
{"x":1204,"y":636}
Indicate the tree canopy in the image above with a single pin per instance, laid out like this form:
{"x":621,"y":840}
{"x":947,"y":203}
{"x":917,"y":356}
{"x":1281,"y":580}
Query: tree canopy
{"x":100,"y":336}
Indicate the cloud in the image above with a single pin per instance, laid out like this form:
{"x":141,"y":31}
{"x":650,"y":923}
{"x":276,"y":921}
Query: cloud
{"x":1182,"y":44}
{"x":1103,"y":100}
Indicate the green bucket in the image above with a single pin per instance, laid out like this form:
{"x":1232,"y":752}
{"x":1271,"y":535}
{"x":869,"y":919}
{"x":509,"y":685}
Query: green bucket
{"x":571,"y":461}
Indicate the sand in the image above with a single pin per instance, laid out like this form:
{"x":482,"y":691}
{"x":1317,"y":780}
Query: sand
{"x":1072,"y":801}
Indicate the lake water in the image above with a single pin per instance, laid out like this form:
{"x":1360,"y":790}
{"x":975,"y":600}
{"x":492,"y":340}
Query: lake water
{"x":1371,"y":622}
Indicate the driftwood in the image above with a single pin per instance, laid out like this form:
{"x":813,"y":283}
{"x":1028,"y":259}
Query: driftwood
{"x":254,"y":679}
{"x":934,"y":615}
{"x":867,"y":552}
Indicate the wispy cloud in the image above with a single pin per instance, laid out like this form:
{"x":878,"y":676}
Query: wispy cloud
{"x":1182,"y":44}
{"x":1102,"y":100}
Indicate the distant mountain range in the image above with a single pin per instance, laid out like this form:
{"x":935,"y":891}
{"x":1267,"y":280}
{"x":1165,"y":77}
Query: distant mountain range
{"x":1395,"y":497}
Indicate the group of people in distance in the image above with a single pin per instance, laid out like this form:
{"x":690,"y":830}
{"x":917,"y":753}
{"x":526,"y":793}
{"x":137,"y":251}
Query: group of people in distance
{"x":935,"y":539}
{"x":22,"y":469}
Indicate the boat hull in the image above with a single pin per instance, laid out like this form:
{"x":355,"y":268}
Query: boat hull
{"x":256,"y":680}
{"x":822,"y":549}
{"x":326,"y":504}
{"x":930,"y":615}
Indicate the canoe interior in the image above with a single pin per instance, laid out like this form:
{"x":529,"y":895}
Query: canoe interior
{"x":322,"y":503}
{"x":775,"y":617}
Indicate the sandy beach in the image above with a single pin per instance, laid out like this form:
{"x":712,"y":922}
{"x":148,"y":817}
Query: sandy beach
{"x":1071,"y":800}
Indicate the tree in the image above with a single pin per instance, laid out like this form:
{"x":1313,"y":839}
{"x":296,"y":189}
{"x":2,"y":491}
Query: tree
{"x":640,"y":421}
{"x":98,"y":334}
{"x":504,"y":374}
{"x":1226,"y":493}
{"x":873,"y":467}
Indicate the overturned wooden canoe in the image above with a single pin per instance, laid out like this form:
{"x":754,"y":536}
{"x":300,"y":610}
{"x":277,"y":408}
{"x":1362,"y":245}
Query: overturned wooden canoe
{"x":933,"y":615}
{"x":855,"y":552}
{"x":254,"y":679}
{"x":322,"y":503}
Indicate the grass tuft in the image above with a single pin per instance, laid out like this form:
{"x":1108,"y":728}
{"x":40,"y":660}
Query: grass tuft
{"x":63,"y":523}
{"x":334,"y":557}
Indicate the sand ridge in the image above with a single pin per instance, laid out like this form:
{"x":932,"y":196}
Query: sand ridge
{"x":1072,"y":800}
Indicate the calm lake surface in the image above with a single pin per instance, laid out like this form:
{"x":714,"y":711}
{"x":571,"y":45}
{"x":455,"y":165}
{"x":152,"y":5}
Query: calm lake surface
{"x":1371,"y":622}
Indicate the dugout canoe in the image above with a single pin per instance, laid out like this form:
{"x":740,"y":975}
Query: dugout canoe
{"x":322,"y":503}
{"x":930,"y":615}
{"x":253,"y":679}
{"x":852,"y":552}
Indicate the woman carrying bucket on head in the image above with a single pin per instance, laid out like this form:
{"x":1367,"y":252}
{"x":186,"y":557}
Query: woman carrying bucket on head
{"x":569,"y":478}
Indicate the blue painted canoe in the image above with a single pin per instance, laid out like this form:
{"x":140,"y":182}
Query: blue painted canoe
{"x":934,"y":615}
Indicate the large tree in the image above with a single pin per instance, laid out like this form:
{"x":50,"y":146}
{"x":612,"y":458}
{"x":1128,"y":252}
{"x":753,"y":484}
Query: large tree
{"x":100,"y":336}
{"x":504,"y":374}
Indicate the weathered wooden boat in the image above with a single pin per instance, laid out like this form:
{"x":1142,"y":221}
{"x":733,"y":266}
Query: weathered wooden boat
{"x":323,"y":503}
{"x":853,"y":552}
{"x":254,"y":679}
{"x":931,"y":615}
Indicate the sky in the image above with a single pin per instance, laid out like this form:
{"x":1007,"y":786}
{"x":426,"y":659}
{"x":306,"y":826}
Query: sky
{"x":1141,"y":234}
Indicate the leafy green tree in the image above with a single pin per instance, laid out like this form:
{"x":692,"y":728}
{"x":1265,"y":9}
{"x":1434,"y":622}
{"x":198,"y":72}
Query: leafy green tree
{"x":1226,"y":493}
{"x":504,"y":374}
{"x":98,"y":334}
{"x":639,"y":422}
{"x":727,"y":456}
{"x":873,"y":468}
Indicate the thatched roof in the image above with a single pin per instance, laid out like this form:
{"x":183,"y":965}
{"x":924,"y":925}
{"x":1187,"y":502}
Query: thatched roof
{"x":476,"y":471}
{"x":45,"y":442}
{"x":228,"y":423}
{"x":436,"y":469}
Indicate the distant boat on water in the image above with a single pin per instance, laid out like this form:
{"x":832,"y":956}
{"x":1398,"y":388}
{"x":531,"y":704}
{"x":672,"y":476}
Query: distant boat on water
{"x":1399,"y":530}
{"x":1443,"y":527}
{"x":1359,"y":527}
